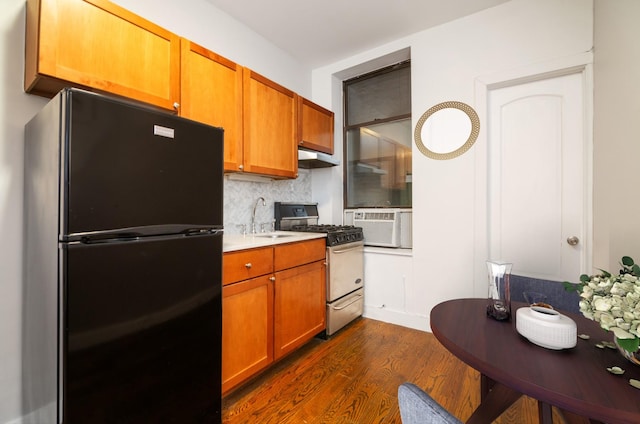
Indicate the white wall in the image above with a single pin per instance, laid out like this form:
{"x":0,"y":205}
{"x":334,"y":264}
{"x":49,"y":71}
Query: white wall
{"x":197,"y":20}
{"x":446,"y":61}
{"x":616,"y":197}
{"x":16,"y":108}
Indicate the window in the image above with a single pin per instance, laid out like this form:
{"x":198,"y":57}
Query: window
{"x":378,"y":138}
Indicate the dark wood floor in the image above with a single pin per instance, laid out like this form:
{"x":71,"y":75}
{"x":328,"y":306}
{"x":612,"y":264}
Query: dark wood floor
{"x":354,"y":376}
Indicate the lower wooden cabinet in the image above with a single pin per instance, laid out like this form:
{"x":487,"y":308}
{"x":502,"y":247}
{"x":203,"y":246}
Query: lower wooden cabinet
{"x":273,"y":301}
{"x":247,"y":330}
{"x":299,"y":306}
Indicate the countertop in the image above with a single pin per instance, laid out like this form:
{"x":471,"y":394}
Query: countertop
{"x":234,"y":242}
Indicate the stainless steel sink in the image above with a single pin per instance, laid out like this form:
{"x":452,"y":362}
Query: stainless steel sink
{"x":273,"y":236}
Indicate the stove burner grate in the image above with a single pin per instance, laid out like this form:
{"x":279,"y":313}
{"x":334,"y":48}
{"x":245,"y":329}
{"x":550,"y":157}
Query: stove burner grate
{"x":336,"y":234}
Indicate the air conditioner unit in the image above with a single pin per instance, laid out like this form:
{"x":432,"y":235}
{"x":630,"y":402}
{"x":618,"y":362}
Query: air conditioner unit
{"x":382,"y":227}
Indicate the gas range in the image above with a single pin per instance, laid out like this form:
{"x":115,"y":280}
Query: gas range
{"x":336,"y":234}
{"x":345,"y":260}
{"x":304,"y":217}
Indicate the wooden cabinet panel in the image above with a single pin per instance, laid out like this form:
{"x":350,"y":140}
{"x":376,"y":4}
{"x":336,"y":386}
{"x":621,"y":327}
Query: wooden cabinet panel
{"x":211,"y":92}
{"x":246,"y":264}
{"x":270,"y":127}
{"x":299,"y":306}
{"x":315,"y":126}
{"x":247,"y":330}
{"x":402,"y":167}
{"x":96,"y":44}
{"x":294,"y":254}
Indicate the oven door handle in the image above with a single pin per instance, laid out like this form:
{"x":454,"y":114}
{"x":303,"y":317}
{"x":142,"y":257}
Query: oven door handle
{"x":336,"y":251}
{"x":350,"y":302}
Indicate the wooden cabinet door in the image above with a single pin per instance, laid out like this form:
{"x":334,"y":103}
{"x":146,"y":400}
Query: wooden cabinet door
{"x":299,"y":306}
{"x":247,"y":330}
{"x":270,"y":127}
{"x":96,"y":44}
{"x":315,"y":129}
{"x":211,"y":92}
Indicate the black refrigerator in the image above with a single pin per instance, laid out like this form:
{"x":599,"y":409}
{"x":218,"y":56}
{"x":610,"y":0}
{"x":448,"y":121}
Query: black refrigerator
{"x":123,"y":264}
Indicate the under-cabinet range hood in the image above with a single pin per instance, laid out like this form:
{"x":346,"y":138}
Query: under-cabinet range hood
{"x":308,"y":159}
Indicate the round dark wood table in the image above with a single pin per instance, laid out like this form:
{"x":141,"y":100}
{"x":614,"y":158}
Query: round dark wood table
{"x":575,"y":380}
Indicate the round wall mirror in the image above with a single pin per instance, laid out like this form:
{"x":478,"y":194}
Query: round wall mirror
{"x":447,"y":130}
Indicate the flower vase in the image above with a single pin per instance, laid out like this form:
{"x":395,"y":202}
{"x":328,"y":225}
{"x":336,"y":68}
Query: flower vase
{"x":499,"y":303}
{"x":633,"y":357}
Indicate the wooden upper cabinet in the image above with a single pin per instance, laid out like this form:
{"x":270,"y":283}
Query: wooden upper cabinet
{"x":211,"y":91}
{"x":270,"y":127}
{"x":96,"y":44}
{"x":315,"y":126}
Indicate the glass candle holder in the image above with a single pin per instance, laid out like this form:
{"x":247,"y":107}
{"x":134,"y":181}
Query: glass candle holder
{"x":499,"y":302}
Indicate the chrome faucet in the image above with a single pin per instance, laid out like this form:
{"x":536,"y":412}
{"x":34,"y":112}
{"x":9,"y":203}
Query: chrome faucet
{"x":253,"y":215}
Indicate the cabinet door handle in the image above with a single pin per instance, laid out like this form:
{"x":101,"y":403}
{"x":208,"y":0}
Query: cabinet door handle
{"x":248,"y":265}
{"x":176,"y":105}
{"x":272,"y":278}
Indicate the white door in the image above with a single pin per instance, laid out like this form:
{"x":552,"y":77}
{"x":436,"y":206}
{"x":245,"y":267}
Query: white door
{"x":537,"y":177}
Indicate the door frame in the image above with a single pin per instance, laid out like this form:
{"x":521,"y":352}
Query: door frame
{"x":580,"y":64}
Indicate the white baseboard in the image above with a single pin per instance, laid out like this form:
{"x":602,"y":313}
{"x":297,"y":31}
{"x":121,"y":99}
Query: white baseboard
{"x":418,"y":322}
{"x":43,"y":415}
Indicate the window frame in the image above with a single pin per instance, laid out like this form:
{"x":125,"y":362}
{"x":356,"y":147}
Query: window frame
{"x":346,"y":128}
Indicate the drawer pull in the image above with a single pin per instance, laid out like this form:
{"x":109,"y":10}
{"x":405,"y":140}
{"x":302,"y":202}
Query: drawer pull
{"x":248,"y":265}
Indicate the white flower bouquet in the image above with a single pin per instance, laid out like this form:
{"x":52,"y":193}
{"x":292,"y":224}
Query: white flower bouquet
{"x":614,"y":302}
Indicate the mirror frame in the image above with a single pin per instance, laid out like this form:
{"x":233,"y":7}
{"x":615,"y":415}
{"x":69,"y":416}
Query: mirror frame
{"x":475,"y":130}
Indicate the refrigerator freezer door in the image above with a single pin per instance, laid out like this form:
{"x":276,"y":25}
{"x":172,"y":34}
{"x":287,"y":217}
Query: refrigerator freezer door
{"x":129,"y":166}
{"x":143,"y":331}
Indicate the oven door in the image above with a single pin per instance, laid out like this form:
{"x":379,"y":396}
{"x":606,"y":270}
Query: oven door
{"x":345,"y":269}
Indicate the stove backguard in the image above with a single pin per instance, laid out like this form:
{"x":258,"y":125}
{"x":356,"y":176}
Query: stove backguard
{"x":288,"y":214}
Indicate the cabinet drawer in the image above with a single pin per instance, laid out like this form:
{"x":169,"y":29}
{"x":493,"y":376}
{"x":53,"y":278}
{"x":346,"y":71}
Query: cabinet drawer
{"x":246,"y":264}
{"x":295,"y":254}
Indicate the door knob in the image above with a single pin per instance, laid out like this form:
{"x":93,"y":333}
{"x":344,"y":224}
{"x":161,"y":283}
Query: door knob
{"x":573,"y":240}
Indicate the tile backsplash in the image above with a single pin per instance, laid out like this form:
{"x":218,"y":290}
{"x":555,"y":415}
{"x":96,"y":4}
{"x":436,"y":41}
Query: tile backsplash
{"x":241,"y":196}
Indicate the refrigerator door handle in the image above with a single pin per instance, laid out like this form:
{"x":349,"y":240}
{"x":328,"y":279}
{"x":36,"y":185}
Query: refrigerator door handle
{"x":132,"y":236}
{"x":137,"y":232}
